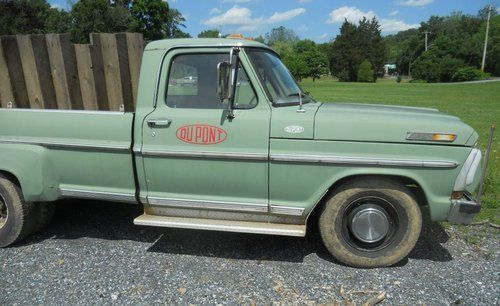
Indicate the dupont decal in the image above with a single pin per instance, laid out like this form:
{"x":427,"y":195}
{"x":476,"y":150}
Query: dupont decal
{"x":294,"y":129}
{"x":201,"y":134}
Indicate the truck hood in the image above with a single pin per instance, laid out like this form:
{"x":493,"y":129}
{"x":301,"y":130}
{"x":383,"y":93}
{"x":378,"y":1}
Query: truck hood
{"x":384,"y":123}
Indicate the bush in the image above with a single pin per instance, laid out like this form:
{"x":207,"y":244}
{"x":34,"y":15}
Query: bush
{"x":343,"y":76}
{"x":365,"y":72}
{"x":448,"y":66}
{"x":469,"y":74}
{"x":426,"y":68}
{"x":398,"y":79}
{"x":433,"y":67}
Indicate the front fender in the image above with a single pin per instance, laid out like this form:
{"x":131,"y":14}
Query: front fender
{"x":437,"y":196}
{"x":299,"y":182}
{"x":31,"y":167}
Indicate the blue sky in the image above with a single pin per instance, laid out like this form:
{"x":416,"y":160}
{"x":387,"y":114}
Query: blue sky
{"x":318,"y":20}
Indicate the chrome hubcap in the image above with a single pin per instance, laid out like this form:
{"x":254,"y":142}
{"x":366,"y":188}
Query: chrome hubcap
{"x":3,"y":212}
{"x":369,"y":223}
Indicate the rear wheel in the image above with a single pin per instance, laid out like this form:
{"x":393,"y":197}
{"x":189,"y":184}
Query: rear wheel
{"x":370,"y":223}
{"x":16,"y":215}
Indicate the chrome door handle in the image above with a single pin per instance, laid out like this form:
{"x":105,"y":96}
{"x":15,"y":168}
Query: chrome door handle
{"x":158,"y":123}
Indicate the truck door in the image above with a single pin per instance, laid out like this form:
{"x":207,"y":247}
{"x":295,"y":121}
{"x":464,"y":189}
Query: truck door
{"x":194,"y":155}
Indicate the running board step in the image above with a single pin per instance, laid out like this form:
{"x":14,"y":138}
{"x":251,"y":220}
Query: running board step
{"x":223,"y":225}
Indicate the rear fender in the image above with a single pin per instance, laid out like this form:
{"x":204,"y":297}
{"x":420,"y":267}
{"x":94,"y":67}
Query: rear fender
{"x":30,"y":165}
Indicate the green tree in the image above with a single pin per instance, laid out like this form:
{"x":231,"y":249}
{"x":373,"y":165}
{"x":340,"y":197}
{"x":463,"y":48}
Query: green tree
{"x":365,"y":72}
{"x":175,"y":25}
{"x":297,"y":65}
{"x":58,"y":21}
{"x":156,"y":20}
{"x":31,"y":16}
{"x":455,"y":39}
{"x":281,"y":34}
{"x":316,"y":62}
{"x":353,"y":45}
{"x":209,"y":34}
{"x":326,"y":50}
{"x":94,"y":16}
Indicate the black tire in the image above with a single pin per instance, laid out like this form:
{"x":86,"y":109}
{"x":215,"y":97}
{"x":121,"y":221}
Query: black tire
{"x":364,"y":245}
{"x":45,"y":213}
{"x":17,"y":219}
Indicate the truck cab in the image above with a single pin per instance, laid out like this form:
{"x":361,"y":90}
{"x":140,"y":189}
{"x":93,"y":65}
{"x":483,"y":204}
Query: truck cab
{"x":223,"y":138}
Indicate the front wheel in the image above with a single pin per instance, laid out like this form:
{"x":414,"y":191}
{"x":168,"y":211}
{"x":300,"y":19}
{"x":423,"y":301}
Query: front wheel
{"x":370,"y":223}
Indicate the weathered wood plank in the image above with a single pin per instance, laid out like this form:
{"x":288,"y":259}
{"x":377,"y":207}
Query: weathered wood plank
{"x":71,"y":70}
{"x":135,"y":44}
{"x":123,"y":60}
{"x":30,"y":72}
{"x":43,"y":71}
{"x":14,"y":66}
{"x":6,"y":91}
{"x":98,"y":72}
{"x":112,"y":71}
{"x":58,"y":72}
{"x":86,"y":77}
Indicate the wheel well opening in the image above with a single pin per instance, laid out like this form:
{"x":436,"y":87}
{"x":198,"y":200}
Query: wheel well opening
{"x":11,"y":177}
{"x":411,"y":184}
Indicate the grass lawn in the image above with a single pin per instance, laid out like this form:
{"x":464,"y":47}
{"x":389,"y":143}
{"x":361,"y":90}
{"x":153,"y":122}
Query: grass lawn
{"x":476,"y":104}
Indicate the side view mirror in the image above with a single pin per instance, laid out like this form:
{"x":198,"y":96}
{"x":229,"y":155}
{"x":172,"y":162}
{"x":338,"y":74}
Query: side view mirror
{"x":227,"y":74}
{"x":224,"y":81}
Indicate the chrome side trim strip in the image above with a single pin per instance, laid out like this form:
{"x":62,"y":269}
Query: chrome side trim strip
{"x":297,"y":230}
{"x":66,"y":111}
{"x":69,"y":145}
{"x":97,"y":195}
{"x":287,"y":210}
{"x":205,"y":154}
{"x":326,"y":159}
{"x":198,"y":204}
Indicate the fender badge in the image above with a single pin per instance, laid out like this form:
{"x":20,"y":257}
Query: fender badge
{"x":294,"y":129}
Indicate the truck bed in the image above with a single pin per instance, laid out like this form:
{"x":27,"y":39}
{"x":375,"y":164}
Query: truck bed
{"x":85,"y":154}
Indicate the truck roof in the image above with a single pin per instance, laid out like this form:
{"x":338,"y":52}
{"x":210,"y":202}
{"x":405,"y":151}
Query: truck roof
{"x":175,"y":42}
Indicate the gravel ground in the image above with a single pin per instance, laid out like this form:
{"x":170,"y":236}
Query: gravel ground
{"x":92,"y":254}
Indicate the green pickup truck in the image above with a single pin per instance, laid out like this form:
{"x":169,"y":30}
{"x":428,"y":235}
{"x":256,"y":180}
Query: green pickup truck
{"x":224,"y":139}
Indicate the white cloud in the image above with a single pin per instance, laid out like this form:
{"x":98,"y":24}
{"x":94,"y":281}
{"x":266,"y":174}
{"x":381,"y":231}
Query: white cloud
{"x":394,"y":25}
{"x":393,"y":13}
{"x":284,"y":16}
{"x":323,"y":36}
{"x":234,"y":1}
{"x":214,"y":11}
{"x":241,"y":17}
{"x":354,"y":15}
{"x":498,"y":9}
{"x":350,"y":13}
{"x":56,"y":6}
{"x":416,"y":2}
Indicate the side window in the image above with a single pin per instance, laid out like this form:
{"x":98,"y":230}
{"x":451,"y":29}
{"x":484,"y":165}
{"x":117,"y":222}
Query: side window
{"x":244,"y":96}
{"x":192,"y":83}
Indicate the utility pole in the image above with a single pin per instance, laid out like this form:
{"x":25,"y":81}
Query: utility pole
{"x":426,"y":32}
{"x":486,"y":38}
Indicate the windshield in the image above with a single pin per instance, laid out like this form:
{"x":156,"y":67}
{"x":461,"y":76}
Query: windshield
{"x":277,"y":80}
